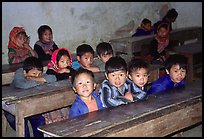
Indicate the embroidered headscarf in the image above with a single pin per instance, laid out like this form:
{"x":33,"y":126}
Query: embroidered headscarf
{"x":53,"y":63}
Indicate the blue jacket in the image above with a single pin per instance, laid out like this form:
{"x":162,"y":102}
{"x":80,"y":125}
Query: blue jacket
{"x":163,"y":83}
{"x":142,"y":32}
{"x":79,"y":107}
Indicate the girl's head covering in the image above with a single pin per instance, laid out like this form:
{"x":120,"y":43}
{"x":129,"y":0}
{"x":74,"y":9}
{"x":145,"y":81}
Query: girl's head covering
{"x":12,"y":37}
{"x":53,"y":63}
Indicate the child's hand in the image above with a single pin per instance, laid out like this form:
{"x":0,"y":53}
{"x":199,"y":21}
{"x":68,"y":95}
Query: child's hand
{"x":37,"y":79}
{"x":48,"y":52}
{"x":64,"y":70}
{"x":129,"y":96}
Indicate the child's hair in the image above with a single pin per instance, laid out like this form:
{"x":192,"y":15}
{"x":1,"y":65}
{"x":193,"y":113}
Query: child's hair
{"x":80,"y":71}
{"x":115,"y":63}
{"x":176,"y":59}
{"x":61,"y":53}
{"x":84,"y":48}
{"x":42,"y":29}
{"x":136,"y":64}
{"x":23,"y":33}
{"x":172,"y":13}
{"x":104,"y":48}
{"x":146,"y":21}
{"x":31,"y":63}
{"x":163,"y":25}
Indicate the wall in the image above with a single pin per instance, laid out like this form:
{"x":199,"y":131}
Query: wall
{"x":74,"y":23}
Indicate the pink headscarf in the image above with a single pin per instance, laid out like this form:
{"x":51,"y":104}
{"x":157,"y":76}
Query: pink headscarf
{"x":53,"y":63}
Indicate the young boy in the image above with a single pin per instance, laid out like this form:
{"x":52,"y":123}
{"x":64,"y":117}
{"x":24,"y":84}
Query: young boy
{"x":176,"y":66}
{"x":85,"y":57}
{"x":138,"y":73}
{"x":30,"y":75}
{"x":114,"y":90}
{"x":87,"y":100}
{"x":144,"y":29}
{"x":104,"y":52}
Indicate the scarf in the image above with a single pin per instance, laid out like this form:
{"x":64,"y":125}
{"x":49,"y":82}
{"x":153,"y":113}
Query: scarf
{"x":53,"y":63}
{"x":45,"y":46}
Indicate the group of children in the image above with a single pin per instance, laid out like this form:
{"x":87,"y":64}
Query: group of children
{"x":125,"y":81}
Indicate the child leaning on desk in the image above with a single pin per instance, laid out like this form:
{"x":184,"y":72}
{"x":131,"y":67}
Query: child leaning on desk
{"x":176,"y":66}
{"x":87,"y":100}
{"x":114,"y":90}
{"x":30,"y":75}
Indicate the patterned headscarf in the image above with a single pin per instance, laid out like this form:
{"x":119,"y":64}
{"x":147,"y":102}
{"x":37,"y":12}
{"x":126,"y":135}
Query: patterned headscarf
{"x":53,"y":63}
{"x":12,"y":37}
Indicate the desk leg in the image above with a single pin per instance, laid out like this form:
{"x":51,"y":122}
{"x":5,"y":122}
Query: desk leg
{"x":190,"y":68}
{"x":20,"y":123}
{"x":4,"y":124}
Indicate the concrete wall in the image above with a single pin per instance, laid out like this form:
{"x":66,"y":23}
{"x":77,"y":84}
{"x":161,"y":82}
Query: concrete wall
{"x":74,"y":23}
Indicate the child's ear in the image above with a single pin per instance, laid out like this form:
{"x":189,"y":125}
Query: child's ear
{"x":78,"y":58}
{"x":24,"y":73}
{"x":167,"y":71}
{"x":74,"y":89}
{"x":95,"y":85}
{"x":98,"y":57}
{"x":129,"y":77}
{"x":106,"y":75}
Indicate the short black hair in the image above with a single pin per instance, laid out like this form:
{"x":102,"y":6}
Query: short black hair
{"x":175,"y":59}
{"x":146,"y":21}
{"x":84,"y":48}
{"x":80,"y":71}
{"x":136,"y":64}
{"x":115,"y":63}
{"x":104,"y":48}
{"x":172,"y":13}
{"x":42,"y":29}
{"x":31,"y":63}
{"x":61,"y":53}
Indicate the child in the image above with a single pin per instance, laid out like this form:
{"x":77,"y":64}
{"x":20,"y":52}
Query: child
{"x":45,"y":46}
{"x":138,"y":72}
{"x":18,"y":46}
{"x":60,"y":64}
{"x":144,"y":29}
{"x":114,"y":90}
{"x":176,"y":66}
{"x":85,"y":57}
{"x":159,"y":45}
{"x":169,"y":18}
{"x":104,"y":52}
{"x":87,"y":100}
{"x":30,"y":75}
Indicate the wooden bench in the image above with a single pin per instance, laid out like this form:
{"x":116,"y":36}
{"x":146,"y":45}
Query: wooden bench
{"x":161,"y":114}
{"x":135,"y":45}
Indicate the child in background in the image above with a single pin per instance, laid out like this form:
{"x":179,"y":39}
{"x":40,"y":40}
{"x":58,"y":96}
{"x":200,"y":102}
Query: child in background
{"x":60,"y":64}
{"x":176,"y":66}
{"x":30,"y":75}
{"x":114,"y":90}
{"x":159,"y":45}
{"x":144,"y":29}
{"x":45,"y":46}
{"x":18,"y":46}
{"x":138,"y":71}
{"x":87,"y":100}
{"x":104,"y":52}
{"x":85,"y":57}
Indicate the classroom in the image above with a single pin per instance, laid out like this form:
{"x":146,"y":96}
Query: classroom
{"x":76,"y":23}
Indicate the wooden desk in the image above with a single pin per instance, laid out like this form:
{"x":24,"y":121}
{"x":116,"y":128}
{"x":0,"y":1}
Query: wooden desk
{"x":160,"y":115}
{"x":47,"y":97}
{"x":190,"y":50}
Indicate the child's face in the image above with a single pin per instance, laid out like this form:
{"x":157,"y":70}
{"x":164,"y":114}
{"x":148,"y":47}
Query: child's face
{"x":162,"y":32}
{"x":117,"y":78}
{"x":105,"y":57}
{"x":84,"y":85}
{"x":176,"y":73}
{"x":33,"y":73}
{"x":139,"y":77}
{"x":147,"y":26}
{"x":21,"y":39}
{"x":64,"y":62}
{"x":47,"y":36}
{"x":86,"y":60}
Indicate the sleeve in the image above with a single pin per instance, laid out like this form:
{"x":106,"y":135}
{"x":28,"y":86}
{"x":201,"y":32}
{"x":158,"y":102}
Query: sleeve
{"x":153,"y":49}
{"x":41,"y":54}
{"x":155,"y":88}
{"x":74,"y":110}
{"x":49,"y":78}
{"x":21,"y":82}
{"x":55,"y":47}
{"x":14,"y":57}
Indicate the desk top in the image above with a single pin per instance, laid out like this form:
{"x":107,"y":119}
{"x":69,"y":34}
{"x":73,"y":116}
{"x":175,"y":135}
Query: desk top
{"x":190,"y":48}
{"x":101,"y":123}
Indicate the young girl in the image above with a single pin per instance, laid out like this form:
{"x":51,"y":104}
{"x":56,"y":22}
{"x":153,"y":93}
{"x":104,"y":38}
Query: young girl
{"x":45,"y":46}
{"x":60,"y":64}
{"x":87,"y":100}
{"x":18,"y":46}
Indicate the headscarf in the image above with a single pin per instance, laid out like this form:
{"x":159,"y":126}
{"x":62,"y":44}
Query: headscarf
{"x":53,"y":63}
{"x":12,"y":37}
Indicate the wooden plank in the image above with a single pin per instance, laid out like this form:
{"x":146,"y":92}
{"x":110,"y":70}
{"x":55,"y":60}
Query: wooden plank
{"x":163,"y":108}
